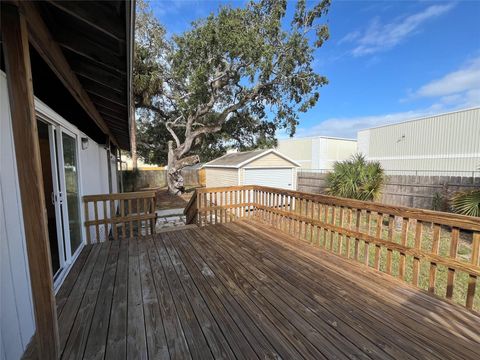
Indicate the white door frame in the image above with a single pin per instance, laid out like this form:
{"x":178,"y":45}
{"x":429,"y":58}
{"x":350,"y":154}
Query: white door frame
{"x":60,"y":125}
{"x":57,"y":198}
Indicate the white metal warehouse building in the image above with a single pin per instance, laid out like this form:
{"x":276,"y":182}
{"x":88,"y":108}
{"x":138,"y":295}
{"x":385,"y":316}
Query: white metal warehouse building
{"x":443,"y":144}
{"x":317,"y":152}
{"x":258,"y":167}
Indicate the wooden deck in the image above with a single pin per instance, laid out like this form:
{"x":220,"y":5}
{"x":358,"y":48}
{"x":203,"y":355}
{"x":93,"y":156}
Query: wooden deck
{"x":242,"y":290}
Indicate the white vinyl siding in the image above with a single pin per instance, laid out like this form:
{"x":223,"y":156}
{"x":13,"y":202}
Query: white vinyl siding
{"x":279,"y":178}
{"x":17,"y":324}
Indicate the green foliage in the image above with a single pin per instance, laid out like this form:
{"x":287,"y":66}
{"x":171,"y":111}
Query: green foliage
{"x":239,"y":131}
{"x":356,"y":178}
{"x":466,"y":202}
{"x":240,"y":74}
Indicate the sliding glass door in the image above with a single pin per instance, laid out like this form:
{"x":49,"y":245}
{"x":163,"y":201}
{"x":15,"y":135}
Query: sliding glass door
{"x":72,"y":193}
{"x":59,"y":154}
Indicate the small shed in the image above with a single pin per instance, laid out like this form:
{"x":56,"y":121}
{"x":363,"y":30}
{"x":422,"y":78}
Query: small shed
{"x":257,"y":167}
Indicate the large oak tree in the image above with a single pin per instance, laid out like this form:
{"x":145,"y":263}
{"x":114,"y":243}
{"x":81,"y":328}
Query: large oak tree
{"x":241,"y":63}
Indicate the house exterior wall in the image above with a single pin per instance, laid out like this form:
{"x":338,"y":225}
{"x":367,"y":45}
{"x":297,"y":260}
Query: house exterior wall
{"x":17,"y":324}
{"x":443,"y":144}
{"x":317,"y":152}
{"x":94,"y":178}
{"x":218,"y":177}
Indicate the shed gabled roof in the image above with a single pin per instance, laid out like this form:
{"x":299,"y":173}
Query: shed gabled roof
{"x":240,"y":159}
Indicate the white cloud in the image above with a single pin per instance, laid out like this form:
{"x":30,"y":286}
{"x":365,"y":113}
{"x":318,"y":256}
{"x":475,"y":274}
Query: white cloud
{"x":458,"y":89}
{"x":460,"y":81}
{"x":380,"y":37}
{"x":350,"y":37}
{"x":349,"y":126}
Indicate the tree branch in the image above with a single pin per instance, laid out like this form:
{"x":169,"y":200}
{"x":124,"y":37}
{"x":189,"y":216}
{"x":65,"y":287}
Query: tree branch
{"x":175,"y":137}
{"x":181,"y":163}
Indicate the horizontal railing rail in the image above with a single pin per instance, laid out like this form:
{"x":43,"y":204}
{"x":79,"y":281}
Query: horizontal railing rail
{"x":220,"y":205}
{"x":432,"y":250}
{"x":119,"y":215}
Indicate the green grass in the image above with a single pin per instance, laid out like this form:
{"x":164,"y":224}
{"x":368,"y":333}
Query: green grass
{"x":463,"y":253}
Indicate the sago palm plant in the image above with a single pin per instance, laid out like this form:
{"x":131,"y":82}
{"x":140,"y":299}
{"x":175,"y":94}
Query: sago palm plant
{"x":356,"y":178}
{"x":466,"y":202}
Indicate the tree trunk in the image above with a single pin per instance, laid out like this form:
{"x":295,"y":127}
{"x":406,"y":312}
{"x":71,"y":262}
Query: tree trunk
{"x":133,"y":139}
{"x":175,"y":165}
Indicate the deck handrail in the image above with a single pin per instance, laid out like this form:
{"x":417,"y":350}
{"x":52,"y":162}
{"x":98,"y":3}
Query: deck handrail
{"x":121,"y":215}
{"x":439,"y":217}
{"x":429,"y":249}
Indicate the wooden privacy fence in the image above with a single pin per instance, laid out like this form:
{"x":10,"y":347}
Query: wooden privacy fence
{"x":436,"y":251}
{"x":119,"y":215}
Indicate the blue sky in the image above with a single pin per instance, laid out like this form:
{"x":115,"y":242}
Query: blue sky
{"x":387,"y":61}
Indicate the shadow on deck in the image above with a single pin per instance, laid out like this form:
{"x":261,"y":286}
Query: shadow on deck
{"x":242,"y":290}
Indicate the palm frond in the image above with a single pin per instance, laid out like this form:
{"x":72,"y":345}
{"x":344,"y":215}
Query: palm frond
{"x":356,"y":178}
{"x":466,"y":202}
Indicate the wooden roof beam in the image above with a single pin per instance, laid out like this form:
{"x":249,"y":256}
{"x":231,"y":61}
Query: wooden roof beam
{"x":98,"y":19}
{"x":50,"y":51}
{"x":91,"y":59}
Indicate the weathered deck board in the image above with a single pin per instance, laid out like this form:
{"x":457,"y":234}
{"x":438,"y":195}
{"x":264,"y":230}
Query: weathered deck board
{"x":242,"y":290}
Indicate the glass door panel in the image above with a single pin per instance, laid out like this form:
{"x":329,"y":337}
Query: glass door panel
{"x":70,"y":166}
{"x":47,"y":154}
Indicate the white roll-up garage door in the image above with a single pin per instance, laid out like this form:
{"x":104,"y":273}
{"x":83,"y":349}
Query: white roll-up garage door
{"x":274,"y":177}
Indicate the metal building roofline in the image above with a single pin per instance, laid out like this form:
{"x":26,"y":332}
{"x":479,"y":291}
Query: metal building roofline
{"x":421,"y":118}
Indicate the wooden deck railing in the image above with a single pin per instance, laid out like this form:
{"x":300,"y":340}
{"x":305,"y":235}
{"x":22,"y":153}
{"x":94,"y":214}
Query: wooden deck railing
{"x":119,"y":215}
{"x":220,"y":205}
{"x":436,"y":251}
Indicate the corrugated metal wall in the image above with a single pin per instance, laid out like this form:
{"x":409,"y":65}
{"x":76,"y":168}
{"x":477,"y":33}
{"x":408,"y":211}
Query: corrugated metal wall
{"x":317,"y":152}
{"x":437,"y":144}
{"x":299,"y":150}
{"x":332,"y":150}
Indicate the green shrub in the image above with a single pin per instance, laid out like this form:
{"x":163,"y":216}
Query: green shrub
{"x":356,"y":178}
{"x":466,"y":202}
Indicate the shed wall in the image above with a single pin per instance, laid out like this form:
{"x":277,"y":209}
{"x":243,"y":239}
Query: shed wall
{"x":217,"y":177}
{"x":269,"y":160}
